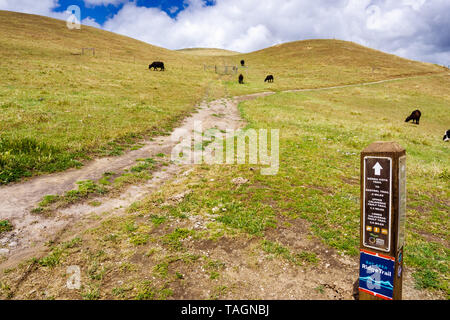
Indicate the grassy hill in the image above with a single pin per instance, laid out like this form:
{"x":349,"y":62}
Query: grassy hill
{"x":322,"y":135}
{"x":59,"y":107}
{"x":320,"y":63}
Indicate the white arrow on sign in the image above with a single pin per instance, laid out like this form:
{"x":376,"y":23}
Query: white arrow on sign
{"x":377,"y":169}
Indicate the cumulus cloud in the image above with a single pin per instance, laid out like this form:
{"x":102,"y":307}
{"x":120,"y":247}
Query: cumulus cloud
{"x":93,"y":3}
{"x":90,"y":22}
{"x":46,"y":8}
{"x":41,"y":7}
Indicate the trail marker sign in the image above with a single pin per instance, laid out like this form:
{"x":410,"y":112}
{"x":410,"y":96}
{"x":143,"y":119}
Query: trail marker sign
{"x":377,"y":202}
{"x":383,"y":215}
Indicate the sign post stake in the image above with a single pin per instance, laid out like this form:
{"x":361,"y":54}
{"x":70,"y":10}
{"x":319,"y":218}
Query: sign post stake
{"x":382,"y":228}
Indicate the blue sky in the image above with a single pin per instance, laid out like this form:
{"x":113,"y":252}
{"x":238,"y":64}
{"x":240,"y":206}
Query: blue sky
{"x":414,"y":29}
{"x":103,"y":12}
{"x":99,"y":13}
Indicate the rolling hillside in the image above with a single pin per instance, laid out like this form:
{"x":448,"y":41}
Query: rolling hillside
{"x":321,"y":63}
{"x":60,"y":107}
{"x":71,"y":106}
{"x":209,"y":231}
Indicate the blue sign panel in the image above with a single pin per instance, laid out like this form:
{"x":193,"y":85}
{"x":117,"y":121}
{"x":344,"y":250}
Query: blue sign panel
{"x":376,"y":274}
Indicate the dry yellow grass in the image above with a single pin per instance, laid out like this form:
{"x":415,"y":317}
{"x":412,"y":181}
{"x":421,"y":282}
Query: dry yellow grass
{"x":72,"y":106}
{"x":320,"y":63}
{"x":208,"y":52}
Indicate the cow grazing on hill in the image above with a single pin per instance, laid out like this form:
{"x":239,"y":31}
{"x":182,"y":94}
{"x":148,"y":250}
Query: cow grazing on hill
{"x":269,"y":78}
{"x":242,"y":63}
{"x":157,"y":64}
{"x":415,"y":117}
{"x":447,"y":136}
{"x":241,"y":79}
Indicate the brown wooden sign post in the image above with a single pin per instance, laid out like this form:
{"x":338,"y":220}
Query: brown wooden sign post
{"x":382,"y":230}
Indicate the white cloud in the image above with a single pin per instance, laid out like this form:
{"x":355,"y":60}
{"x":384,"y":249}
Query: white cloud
{"x":93,"y":3}
{"x":41,"y":7}
{"x":90,"y":22}
{"x":415,"y":4}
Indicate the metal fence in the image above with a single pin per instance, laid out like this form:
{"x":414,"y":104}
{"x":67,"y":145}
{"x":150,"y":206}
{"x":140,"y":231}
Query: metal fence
{"x":221,"y":69}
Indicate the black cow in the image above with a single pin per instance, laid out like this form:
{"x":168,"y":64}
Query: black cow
{"x":269,"y":78}
{"x":242,"y":63}
{"x":415,"y":117}
{"x":157,"y":64}
{"x":241,"y":79}
{"x":447,"y":136}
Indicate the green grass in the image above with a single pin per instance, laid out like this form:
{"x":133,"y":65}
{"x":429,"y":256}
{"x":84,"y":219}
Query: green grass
{"x":139,"y":239}
{"x":91,"y":293}
{"x":173,"y":239}
{"x":96,"y":272}
{"x":57,"y":253}
{"x":84,"y":190}
{"x":20,"y":157}
{"x":213,"y":267}
{"x":89,"y":188}
{"x":95,"y":203}
{"x":59,"y":109}
{"x":145,"y":164}
{"x":432,"y":262}
{"x":321,"y":136}
{"x":5,"y":226}
{"x":252,"y":220}
{"x":48,"y":199}
{"x":318,"y":63}
{"x":147,"y":291}
{"x":157,"y":220}
{"x":278,"y":250}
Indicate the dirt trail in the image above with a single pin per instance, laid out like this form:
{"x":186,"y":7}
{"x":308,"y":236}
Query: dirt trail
{"x":16,"y":200}
{"x":366,"y":83}
{"x":32,"y":231}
